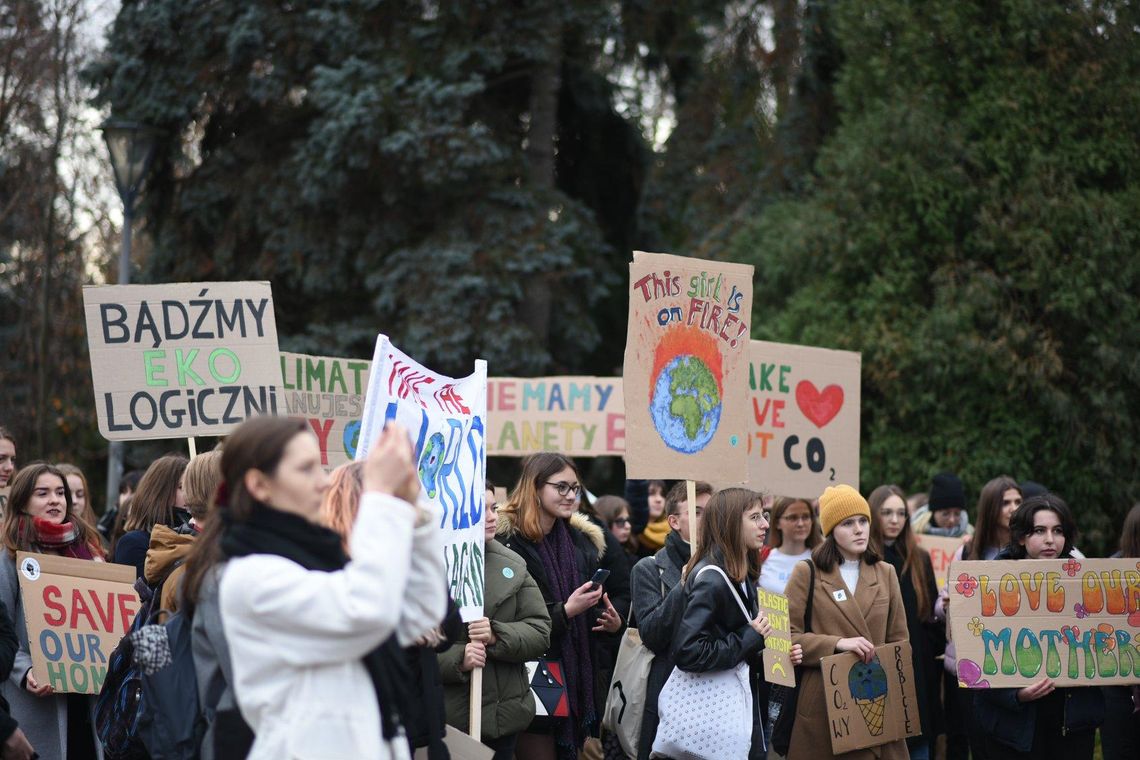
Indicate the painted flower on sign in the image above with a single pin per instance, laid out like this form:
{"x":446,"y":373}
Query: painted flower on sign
{"x":1072,"y":567}
{"x":976,"y":627}
{"x":967,"y":585}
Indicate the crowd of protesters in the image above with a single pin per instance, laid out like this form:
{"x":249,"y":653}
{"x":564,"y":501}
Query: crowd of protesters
{"x":321,"y":623}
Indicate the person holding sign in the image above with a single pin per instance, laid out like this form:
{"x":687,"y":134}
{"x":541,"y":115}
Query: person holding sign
{"x":658,"y":598}
{"x":721,"y":628}
{"x":856,"y":606}
{"x":1000,"y":498}
{"x":1040,"y":721}
{"x":314,"y":637}
{"x":892,"y":536}
{"x":37,"y":520}
{"x":562,"y":549}
{"x":516,"y":629}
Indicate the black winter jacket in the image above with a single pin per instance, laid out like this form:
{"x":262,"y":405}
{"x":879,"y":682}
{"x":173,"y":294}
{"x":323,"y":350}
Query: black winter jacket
{"x":1013,"y":723}
{"x":714,"y":635}
{"x":590,"y":547}
{"x":9,"y":645}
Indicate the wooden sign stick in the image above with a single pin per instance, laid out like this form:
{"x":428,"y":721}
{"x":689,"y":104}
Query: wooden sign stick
{"x":193,"y":447}
{"x":475,"y":721}
{"x":691,"y":487}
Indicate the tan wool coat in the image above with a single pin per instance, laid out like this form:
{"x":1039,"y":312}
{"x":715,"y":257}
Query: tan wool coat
{"x":876,"y":614}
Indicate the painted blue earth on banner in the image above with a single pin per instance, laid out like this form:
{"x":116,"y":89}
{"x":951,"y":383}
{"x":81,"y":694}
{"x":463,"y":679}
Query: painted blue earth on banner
{"x":351,"y":438}
{"x":686,"y":404}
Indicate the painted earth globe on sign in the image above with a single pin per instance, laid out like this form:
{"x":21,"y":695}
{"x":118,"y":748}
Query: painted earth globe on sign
{"x":351,"y":438}
{"x":686,"y":404}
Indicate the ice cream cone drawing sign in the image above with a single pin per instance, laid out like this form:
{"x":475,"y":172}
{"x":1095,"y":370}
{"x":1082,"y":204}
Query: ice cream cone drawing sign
{"x":803,"y":431}
{"x":686,"y":368}
{"x":870,"y":703}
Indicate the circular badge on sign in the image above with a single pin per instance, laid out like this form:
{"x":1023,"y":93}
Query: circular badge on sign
{"x":30,"y":567}
{"x":508,"y":573}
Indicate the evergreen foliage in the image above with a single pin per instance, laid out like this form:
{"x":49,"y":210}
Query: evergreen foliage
{"x":971,"y":229}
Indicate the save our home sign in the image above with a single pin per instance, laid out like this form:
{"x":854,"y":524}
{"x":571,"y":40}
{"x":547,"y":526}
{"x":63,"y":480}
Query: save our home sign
{"x":76,"y":611}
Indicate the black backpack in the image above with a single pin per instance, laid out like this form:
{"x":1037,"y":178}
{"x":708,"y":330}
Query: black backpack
{"x":148,"y":706}
{"x":117,"y":707}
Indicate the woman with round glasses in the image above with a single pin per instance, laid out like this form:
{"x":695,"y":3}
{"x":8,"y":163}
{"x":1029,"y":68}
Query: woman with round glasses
{"x":794,"y":533}
{"x":562,"y":549}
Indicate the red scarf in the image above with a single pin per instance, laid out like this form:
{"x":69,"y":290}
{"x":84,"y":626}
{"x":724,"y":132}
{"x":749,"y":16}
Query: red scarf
{"x":59,"y":538}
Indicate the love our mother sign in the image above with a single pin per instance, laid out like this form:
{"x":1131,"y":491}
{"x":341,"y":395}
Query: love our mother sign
{"x":1076,"y":621}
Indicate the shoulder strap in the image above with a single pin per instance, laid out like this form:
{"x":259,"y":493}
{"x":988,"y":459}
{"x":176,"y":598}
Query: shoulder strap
{"x":732,"y":588}
{"x":811,"y":594}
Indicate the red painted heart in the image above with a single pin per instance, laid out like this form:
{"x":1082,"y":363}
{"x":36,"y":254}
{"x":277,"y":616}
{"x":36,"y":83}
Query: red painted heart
{"x":1134,"y":619}
{"x":819,"y":406}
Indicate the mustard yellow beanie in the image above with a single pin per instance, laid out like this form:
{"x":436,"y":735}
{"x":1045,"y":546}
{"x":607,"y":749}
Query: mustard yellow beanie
{"x":837,"y":504}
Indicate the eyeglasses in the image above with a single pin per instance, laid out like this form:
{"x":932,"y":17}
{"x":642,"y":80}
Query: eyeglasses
{"x":621,"y":521}
{"x":797,"y":518}
{"x":565,"y":489}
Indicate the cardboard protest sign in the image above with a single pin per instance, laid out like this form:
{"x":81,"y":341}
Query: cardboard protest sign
{"x":446,"y":418}
{"x":181,"y":359}
{"x":869,"y":704}
{"x":1076,"y":621}
{"x":803,"y":418}
{"x":577,"y":416}
{"x":941,"y":550}
{"x":76,"y":612}
{"x":329,"y":393}
{"x":778,"y":666}
{"x":686,"y":369}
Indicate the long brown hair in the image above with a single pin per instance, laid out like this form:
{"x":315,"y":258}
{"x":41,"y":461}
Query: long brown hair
{"x":1130,"y":535}
{"x":19,"y":530}
{"x":989,"y":516}
{"x":342,"y":500}
{"x":916,"y":562}
{"x":776,"y":535}
{"x":722,"y":536}
{"x":153,"y":502}
{"x":524,"y":507}
{"x":256,"y":444}
{"x":607,"y":508}
{"x":88,"y":513}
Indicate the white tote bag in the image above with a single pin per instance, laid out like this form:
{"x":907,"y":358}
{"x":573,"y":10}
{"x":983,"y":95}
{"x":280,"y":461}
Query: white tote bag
{"x":625,"y":702}
{"x":706,"y":716}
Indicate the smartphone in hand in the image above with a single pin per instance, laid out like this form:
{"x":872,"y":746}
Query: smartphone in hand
{"x":599,"y":578}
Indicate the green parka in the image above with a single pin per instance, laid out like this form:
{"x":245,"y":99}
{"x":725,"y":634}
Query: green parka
{"x":522,"y":626}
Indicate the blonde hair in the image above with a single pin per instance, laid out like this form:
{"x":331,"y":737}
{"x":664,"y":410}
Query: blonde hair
{"x":342,"y":500}
{"x":200,"y":483}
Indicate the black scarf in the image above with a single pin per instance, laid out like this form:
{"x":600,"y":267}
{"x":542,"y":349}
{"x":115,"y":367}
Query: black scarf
{"x":678,"y":549}
{"x":313,"y":547}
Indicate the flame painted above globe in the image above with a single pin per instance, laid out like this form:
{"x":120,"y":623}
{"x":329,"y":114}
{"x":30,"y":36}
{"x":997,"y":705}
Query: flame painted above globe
{"x":686,"y":398}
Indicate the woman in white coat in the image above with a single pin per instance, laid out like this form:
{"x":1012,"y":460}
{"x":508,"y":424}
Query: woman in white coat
{"x":314,"y":637}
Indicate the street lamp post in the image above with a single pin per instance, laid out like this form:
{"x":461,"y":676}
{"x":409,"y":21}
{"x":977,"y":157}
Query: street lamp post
{"x":132,"y":147}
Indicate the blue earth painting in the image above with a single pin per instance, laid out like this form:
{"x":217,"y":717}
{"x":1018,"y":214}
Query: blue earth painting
{"x":685,"y":404}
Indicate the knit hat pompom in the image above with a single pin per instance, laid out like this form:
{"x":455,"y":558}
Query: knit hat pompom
{"x":837,"y":504}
